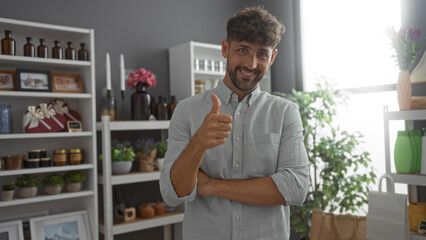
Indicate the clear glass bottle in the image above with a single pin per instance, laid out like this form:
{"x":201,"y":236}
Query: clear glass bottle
{"x":6,"y":119}
{"x":70,"y":51}
{"x":83,"y":54}
{"x":199,"y":86}
{"x":57,"y":51}
{"x":29,"y":48}
{"x":8,"y":44}
{"x":162,"y":113}
{"x":108,"y":104}
{"x":42,"y":50}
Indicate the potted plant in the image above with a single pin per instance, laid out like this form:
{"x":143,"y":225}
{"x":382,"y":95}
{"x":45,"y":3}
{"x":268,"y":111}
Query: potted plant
{"x":27,"y":185}
{"x":7,"y":191}
{"x":53,"y":184}
{"x":161,"y":153}
{"x":73,"y":180}
{"x":146,"y":150}
{"x":341,"y":171}
{"x":122,"y":157}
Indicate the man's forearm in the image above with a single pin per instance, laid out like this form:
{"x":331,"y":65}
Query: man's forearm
{"x":184,"y":171}
{"x":257,"y":191}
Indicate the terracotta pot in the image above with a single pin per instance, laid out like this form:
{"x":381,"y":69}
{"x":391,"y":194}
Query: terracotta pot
{"x":27,"y":192}
{"x":146,"y":211}
{"x":7,"y":195}
{"x":404,"y":91}
{"x":52,"y":190}
{"x":13,"y":162}
{"x":159,"y":208}
{"x":73,"y":187}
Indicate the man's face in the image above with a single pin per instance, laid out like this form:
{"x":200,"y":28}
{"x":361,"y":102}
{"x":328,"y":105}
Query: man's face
{"x":247,"y":62}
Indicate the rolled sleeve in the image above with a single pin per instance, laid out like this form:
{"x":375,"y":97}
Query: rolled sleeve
{"x":179,"y":136}
{"x":292,"y":177}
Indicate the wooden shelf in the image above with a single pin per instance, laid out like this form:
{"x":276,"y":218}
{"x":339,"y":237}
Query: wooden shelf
{"x":136,"y":125}
{"x":45,"y":169}
{"x":141,"y":224}
{"x":45,"y":135}
{"x":132,"y":177}
{"x":44,"y":198}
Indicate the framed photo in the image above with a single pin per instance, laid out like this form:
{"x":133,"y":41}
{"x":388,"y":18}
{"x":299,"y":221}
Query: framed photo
{"x":7,"y":80}
{"x":11,"y":231}
{"x":67,"y":83}
{"x":74,"y":224}
{"x":25,"y":218}
{"x":33,"y":80}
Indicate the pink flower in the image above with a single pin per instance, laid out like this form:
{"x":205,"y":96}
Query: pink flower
{"x":141,"y":75}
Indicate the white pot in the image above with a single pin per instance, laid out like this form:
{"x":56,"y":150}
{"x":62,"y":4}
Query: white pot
{"x":7,"y":195}
{"x":73,"y":187}
{"x":27,"y":192}
{"x":52,"y":190}
{"x":159,"y":162}
{"x":121,"y":167}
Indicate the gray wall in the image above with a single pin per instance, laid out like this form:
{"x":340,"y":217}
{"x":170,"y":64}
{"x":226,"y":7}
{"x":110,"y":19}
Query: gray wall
{"x":144,"y":30}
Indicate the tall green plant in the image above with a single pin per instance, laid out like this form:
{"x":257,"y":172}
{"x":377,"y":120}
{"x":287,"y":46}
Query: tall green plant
{"x":340,"y":170}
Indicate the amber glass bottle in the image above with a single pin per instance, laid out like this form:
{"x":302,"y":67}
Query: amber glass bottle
{"x":70,"y":51}
{"x":162,"y":113}
{"x":171,"y":106}
{"x":29,"y":48}
{"x":42,"y":50}
{"x":8,"y":44}
{"x":83,"y":54}
{"x":57,"y":51}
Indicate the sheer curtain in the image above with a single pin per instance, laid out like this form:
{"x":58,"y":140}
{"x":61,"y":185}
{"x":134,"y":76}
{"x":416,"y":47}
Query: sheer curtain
{"x":346,"y":42}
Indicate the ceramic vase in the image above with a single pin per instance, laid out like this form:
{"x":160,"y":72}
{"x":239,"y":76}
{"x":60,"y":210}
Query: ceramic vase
{"x":73,"y":187}
{"x":27,"y":192}
{"x":7,"y":195}
{"x":403,"y":89}
{"x":52,"y":190}
{"x":140,"y":105}
{"x":121,"y":167}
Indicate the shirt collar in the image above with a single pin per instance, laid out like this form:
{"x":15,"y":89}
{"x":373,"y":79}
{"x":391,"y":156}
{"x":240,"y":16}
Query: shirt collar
{"x":225,"y":94}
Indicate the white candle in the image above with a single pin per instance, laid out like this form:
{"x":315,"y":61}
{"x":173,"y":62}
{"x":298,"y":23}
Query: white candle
{"x":108,"y":72}
{"x":122,"y":75}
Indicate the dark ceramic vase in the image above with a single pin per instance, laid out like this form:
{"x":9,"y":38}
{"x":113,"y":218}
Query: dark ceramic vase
{"x":141,"y":103}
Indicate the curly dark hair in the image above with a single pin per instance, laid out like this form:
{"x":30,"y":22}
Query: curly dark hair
{"x":255,"y":25}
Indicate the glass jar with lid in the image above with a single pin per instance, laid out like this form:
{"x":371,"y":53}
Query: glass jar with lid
{"x":200,"y":86}
{"x":59,"y":157}
{"x":75,"y":156}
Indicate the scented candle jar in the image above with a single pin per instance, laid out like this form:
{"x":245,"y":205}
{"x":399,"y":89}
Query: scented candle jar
{"x":59,"y":157}
{"x":45,"y":162}
{"x":76,"y":156}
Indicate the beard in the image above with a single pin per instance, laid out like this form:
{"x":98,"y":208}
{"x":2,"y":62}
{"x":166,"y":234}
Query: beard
{"x":237,"y":84}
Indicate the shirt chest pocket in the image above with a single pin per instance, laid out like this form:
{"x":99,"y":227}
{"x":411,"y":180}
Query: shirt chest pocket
{"x":260,"y":154}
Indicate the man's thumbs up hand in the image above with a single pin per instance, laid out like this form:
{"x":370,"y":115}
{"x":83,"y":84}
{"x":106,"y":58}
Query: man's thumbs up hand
{"x":215,"y":128}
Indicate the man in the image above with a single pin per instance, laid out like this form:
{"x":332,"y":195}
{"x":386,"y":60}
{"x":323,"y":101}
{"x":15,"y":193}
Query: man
{"x":236,"y":155}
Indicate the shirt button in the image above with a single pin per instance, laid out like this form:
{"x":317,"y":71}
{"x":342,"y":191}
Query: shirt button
{"x":237,"y":165}
{"x":237,"y":218}
{"x":238,"y":138}
{"x":238,"y":113}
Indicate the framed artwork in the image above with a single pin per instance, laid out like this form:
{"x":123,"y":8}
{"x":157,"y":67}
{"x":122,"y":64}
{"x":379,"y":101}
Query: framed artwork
{"x":7,"y":80}
{"x":11,"y":231}
{"x":33,"y":80}
{"x":74,"y":224}
{"x":67,"y":83}
{"x":25,"y":218}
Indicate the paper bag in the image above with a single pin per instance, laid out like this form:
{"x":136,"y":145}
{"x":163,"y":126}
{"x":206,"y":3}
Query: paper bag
{"x":387,"y":213}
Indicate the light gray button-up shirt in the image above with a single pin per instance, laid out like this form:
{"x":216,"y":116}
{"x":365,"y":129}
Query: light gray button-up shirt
{"x":266,"y":140}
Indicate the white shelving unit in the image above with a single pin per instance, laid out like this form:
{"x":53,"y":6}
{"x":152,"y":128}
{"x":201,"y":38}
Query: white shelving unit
{"x":19,"y":142}
{"x":409,"y":179}
{"x":107,"y":180}
{"x":183,"y":72}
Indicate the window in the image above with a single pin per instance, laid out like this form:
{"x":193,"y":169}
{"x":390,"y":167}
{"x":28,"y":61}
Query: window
{"x":346,"y":42}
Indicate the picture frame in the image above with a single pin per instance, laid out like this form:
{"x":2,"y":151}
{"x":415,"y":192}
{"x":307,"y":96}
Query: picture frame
{"x":7,"y":80}
{"x":11,"y":230}
{"x":67,"y":83}
{"x":76,"y":224}
{"x":25,"y":218}
{"x":33,"y":80}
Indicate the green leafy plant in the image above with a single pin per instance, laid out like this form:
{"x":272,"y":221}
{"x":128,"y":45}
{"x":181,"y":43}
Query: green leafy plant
{"x":8,"y":186}
{"x":144,"y":145}
{"x":53,"y":180}
{"x":341,"y":171}
{"x":121,"y":152}
{"x":27,"y":181}
{"x":162,"y":149}
{"x":74,"y":176}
